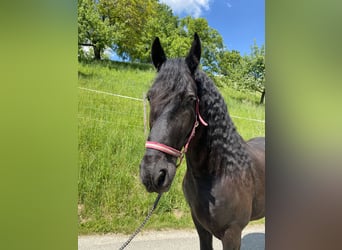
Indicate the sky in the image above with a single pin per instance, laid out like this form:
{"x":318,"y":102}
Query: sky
{"x":240,"y":22}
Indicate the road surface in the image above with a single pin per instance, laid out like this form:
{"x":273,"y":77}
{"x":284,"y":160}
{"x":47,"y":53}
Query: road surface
{"x":253,"y":238}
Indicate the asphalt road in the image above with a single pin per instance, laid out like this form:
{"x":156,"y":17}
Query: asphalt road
{"x":253,"y":238}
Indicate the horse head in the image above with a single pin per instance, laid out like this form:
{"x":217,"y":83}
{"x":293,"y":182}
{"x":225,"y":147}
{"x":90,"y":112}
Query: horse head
{"x":173,"y":100}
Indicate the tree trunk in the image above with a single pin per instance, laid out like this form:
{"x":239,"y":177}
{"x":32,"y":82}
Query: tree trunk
{"x":97,"y":53}
{"x":262,"y":97}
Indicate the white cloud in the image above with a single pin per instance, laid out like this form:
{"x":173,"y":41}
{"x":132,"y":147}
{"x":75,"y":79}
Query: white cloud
{"x":190,"y":7}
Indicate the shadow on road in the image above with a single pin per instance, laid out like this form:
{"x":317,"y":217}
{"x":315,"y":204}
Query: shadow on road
{"x":253,"y":241}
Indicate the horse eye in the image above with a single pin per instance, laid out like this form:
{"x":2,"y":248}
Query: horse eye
{"x":192,"y":98}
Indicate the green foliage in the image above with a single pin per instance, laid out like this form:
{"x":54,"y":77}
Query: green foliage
{"x":114,"y":24}
{"x":94,"y":28}
{"x":232,"y":67}
{"x":111,"y":145}
{"x":162,"y":24}
{"x":176,"y":36}
{"x":129,"y":17}
{"x":243,"y":73}
{"x":129,"y":27}
{"x":255,"y":77}
{"x":211,"y":40}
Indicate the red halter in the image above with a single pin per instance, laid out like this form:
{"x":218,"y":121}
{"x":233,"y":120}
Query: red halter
{"x":172,"y":151}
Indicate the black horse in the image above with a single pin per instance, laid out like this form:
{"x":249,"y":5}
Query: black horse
{"x":224,"y":182}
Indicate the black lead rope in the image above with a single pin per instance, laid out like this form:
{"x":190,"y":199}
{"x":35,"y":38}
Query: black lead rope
{"x":143,"y":223}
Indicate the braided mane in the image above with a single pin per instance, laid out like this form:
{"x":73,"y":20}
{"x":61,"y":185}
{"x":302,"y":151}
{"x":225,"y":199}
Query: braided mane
{"x":226,"y":146}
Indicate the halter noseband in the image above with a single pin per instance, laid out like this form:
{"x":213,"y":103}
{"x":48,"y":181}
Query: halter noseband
{"x":172,"y":151}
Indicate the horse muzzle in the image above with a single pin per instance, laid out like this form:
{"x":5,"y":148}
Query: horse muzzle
{"x":157,"y":173}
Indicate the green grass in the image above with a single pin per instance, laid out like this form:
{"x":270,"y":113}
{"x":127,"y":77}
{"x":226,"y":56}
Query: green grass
{"x":111,"y":145}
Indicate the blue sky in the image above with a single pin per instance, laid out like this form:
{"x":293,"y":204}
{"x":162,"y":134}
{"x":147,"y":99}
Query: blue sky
{"x":239,"y":22}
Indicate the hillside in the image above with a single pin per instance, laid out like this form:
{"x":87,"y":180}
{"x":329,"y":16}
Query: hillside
{"x":111,"y":145}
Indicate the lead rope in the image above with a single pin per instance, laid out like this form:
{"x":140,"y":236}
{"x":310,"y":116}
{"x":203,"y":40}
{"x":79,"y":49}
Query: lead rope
{"x":143,"y":223}
{"x":174,"y":152}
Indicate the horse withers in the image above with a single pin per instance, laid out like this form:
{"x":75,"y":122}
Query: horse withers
{"x":224,"y":182}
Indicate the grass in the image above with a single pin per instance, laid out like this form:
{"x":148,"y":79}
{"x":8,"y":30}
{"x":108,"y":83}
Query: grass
{"x":111,"y":145}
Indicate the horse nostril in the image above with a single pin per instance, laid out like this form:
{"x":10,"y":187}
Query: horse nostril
{"x":161,"y":177}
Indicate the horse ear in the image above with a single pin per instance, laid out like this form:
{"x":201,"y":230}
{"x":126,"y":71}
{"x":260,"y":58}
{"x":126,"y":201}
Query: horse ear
{"x":158,"y":54}
{"x":194,"y":56}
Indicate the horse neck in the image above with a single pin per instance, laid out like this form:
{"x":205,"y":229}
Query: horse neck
{"x":218,"y":147}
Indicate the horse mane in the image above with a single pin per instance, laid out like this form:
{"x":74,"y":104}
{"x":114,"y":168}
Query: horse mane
{"x":227,"y":150}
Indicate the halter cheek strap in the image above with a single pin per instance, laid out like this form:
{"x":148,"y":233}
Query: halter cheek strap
{"x":172,"y":151}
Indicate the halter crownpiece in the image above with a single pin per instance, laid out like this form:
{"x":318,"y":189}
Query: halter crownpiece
{"x":172,"y":151}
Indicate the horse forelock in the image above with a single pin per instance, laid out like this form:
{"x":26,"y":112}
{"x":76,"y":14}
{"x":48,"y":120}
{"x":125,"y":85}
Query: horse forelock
{"x":173,"y":80}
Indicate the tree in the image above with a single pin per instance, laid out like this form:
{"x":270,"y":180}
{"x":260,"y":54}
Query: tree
{"x":93,"y":27}
{"x":118,"y":24}
{"x":128,"y":27}
{"x":176,"y":35}
{"x":231,"y":66}
{"x":162,"y":24}
{"x":212,"y":42}
{"x":129,"y":19}
{"x":255,"y":73}
{"x":244,"y":73}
